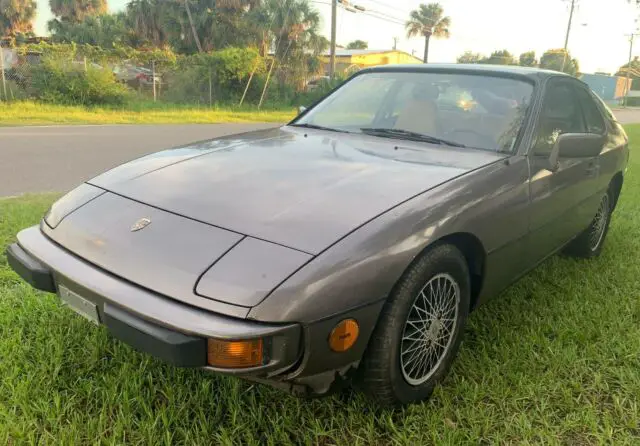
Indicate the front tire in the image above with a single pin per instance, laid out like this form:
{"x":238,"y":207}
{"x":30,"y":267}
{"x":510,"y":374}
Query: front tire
{"x":420,"y":329}
{"x":589,"y":243}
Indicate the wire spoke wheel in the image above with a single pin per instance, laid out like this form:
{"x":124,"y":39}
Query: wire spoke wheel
{"x":429,"y":329}
{"x":599,"y":225}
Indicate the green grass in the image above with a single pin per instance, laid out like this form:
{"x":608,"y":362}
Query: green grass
{"x":553,"y":360}
{"x":32,"y":113}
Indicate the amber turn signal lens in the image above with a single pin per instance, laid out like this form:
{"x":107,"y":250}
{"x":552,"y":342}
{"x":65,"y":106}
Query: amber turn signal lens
{"x":234,"y":354}
{"x":344,"y":335}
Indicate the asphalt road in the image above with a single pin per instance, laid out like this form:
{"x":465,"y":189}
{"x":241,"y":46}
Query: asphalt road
{"x":57,"y":158}
{"x":628,"y":115}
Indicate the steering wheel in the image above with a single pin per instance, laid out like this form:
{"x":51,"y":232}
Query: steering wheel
{"x":471,"y":138}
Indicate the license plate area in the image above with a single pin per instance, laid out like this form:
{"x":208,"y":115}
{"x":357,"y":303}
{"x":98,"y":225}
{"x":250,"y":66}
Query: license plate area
{"x":79,"y":304}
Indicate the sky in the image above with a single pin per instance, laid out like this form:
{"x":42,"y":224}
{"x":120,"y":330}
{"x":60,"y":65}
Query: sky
{"x":597,"y":38}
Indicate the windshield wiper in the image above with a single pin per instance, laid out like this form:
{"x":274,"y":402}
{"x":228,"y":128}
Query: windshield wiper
{"x":406,"y":134}
{"x":318,"y":127}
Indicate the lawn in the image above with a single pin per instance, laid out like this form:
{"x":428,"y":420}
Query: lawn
{"x":553,"y":360}
{"x":31,"y":113}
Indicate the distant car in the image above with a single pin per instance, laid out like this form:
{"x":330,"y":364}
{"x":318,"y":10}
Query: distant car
{"x":135,"y":76}
{"x":318,"y":82}
{"x":349,"y":244}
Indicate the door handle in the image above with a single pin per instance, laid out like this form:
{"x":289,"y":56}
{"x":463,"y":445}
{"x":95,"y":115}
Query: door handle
{"x":593,"y":169}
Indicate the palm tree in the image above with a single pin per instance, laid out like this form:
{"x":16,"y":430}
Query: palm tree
{"x":428,"y":20}
{"x":237,"y":4}
{"x":293,"y":23}
{"x":192,"y":25}
{"x":146,"y":18}
{"x":208,"y":24}
{"x":16,"y":16}
{"x":233,"y":23}
{"x":292,"y":29}
{"x":106,"y":31}
{"x":75,"y":11}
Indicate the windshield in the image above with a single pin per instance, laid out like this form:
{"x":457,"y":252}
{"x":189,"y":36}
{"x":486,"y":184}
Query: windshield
{"x":477,"y":111}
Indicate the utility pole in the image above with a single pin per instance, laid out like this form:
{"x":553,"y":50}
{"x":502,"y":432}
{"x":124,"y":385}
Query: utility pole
{"x":347,"y":6}
{"x":395,"y":43}
{"x":627,"y":87}
{"x":566,"y":39}
{"x":4,"y":82}
{"x":334,"y":19}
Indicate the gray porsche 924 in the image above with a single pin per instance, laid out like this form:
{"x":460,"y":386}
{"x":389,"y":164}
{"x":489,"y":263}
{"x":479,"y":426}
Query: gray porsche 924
{"x":349,"y":245}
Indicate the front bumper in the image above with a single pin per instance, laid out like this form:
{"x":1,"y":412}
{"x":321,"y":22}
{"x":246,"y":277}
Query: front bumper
{"x":149,"y":322}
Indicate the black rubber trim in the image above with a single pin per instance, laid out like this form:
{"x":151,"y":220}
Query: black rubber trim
{"x":31,"y":270}
{"x":173,"y":347}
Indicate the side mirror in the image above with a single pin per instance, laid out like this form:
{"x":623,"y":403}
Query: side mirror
{"x":302,"y":109}
{"x":575,"y":145}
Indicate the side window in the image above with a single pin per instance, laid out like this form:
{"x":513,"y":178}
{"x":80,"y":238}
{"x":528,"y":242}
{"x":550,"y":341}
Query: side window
{"x":593,"y":118}
{"x":604,"y":108}
{"x":560,"y":114}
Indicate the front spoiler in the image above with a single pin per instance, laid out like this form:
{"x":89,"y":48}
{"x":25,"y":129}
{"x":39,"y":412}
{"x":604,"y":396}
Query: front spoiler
{"x":147,"y":321}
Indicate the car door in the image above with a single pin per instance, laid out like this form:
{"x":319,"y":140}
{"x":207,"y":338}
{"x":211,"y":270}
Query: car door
{"x":562,"y":199}
{"x":596,"y":124}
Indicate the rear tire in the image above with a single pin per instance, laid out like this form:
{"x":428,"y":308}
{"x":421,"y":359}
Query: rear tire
{"x":419,"y":330}
{"x":589,"y":243}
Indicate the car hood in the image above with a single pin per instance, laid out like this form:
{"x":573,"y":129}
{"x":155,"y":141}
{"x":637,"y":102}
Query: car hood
{"x":301,"y":189}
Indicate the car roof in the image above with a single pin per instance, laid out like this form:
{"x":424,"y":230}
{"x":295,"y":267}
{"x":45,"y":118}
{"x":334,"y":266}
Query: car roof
{"x":509,"y":70}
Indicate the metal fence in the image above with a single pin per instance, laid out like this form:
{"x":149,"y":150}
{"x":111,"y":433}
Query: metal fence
{"x":38,"y":75}
{"x":19,"y":70}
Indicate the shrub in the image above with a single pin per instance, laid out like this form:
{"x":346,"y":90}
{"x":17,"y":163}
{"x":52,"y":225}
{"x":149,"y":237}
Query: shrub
{"x":219,"y":76}
{"x":67,"y":82}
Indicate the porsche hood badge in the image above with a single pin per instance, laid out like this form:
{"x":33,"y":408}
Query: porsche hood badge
{"x":140,"y":224}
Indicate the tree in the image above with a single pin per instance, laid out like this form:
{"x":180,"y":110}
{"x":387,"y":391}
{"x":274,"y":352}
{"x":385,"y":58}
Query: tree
{"x":293,"y":24}
{"x":554,"y":60}
{"x":205,"y":25}
{"x":357,"y":45}
{"x":75,"y":11}
{"x":293,"y":31}
{"x":191,"y":24}
{"x":528,"y":59}
{"x":635,"y":68}
{"x":232,"y":23}
{"x":105,"y":31}
{"x":469,"y":57}
{"x":16,"y":16}
{"x":502,"y":57}
{"x":146,"y":19}
{"x":634,"y":73}
{"x":428,"y":21}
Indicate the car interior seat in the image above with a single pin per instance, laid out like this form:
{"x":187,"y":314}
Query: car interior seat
{"x":420,"y":113}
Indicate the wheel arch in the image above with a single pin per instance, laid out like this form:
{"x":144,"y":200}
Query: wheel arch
{"x":616,"y":187}
{"x":473,"y":251}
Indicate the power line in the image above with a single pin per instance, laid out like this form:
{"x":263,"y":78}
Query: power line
{"x":370,"y":12}
{"x":387,"y":16}
{"x":386,"y":5}
{"x":384,"y":18}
